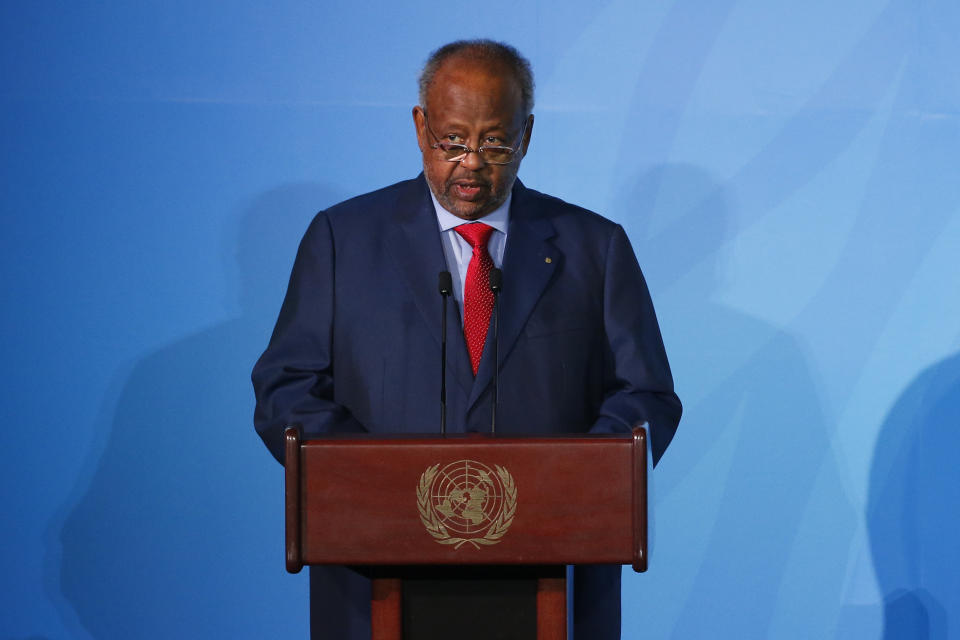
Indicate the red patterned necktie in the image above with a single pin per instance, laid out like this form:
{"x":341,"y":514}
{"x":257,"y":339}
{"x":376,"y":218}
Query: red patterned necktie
{"x":477,"y":296}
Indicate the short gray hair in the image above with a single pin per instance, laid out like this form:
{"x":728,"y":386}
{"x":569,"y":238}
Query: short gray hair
{"x":486,"y":51}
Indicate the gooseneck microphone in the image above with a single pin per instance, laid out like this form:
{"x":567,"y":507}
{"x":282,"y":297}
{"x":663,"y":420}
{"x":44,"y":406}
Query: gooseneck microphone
{"x":496,"y":284}
{"x":446,"y":288}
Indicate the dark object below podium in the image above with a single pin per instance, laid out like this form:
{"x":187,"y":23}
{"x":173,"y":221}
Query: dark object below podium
{"x":477,"y":603}
{"x":462,"y":531}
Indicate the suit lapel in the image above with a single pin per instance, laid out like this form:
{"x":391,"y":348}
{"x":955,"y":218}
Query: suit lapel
{"x":419,"y":257}
{"x":529,"y":263}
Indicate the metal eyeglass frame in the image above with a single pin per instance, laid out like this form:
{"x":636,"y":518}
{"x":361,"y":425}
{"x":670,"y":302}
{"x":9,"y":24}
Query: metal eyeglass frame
{"x":447,"y":146}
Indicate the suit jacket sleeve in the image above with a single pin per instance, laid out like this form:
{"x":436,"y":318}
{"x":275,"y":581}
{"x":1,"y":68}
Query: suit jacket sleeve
{"x":293,"y":379}
{"x":642,"y":388}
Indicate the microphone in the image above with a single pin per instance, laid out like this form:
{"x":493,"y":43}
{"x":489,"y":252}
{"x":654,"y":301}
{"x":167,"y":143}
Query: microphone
{"x":496,"y":285}
{"x":446,"y":288}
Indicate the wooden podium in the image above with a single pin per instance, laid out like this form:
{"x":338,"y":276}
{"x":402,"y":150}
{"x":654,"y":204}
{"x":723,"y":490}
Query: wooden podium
{"x":490,"y":520}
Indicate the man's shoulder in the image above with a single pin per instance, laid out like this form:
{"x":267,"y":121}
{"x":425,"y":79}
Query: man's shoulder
{"x":364,"y":208}
{"x":559,"y":212}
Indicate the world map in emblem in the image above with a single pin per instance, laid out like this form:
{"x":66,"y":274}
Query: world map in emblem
{"x":467,"y":502}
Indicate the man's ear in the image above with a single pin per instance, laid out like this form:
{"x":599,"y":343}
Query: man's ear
{"x":420,"y":124}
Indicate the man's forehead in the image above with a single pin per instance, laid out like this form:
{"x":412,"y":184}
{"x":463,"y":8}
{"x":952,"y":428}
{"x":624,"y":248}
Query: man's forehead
{"x":464,"y":62}
{"x":464,"y":70}
{"x":472,"y":82}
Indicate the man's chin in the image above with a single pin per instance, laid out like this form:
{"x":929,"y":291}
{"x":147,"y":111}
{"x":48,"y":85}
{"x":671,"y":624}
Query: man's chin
{"x":467,"y":209}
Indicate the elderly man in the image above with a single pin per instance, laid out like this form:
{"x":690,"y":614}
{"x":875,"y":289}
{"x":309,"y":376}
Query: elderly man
{"x":357,"y":345}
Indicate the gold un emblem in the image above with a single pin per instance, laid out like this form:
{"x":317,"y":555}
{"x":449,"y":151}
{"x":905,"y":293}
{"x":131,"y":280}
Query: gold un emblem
{"x":467,"y":502}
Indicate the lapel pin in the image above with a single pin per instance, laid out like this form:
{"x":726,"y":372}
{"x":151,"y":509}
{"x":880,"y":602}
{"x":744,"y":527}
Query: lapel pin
{"x":548,"y":260}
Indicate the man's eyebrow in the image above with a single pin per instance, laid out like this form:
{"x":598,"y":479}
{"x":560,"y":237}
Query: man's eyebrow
{"x":485,"y":129}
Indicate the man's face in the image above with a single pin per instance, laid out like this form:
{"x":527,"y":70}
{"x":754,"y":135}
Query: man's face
{"x":474,"y":104}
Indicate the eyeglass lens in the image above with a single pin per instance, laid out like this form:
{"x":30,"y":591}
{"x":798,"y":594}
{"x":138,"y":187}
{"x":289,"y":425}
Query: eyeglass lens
{"x":493,"y":155}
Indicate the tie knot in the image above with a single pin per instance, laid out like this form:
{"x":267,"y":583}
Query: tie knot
{"x":476,"y":233}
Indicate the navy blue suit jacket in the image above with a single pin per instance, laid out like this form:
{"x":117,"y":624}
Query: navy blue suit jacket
{"x":357,"y":344}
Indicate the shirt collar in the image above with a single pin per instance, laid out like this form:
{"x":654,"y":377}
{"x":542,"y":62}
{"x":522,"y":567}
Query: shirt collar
{"x":499,"y":218}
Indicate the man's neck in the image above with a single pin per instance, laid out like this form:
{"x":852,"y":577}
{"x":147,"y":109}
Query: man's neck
{"x":499,"y":218}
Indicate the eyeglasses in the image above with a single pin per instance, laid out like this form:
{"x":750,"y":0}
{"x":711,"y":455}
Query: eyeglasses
{"x":491,"y":154}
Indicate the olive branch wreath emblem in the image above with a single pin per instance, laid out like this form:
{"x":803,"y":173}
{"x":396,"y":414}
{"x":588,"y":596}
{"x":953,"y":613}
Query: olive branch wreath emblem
{"x":441,"y":534}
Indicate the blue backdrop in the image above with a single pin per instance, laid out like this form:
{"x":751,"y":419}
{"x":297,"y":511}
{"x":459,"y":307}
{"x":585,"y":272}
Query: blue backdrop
{"x":787,"y":172}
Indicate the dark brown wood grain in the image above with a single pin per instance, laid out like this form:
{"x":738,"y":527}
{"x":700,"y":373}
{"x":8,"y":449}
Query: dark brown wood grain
{"x":292,"y":499}
{"x":361,"y":500}
{"x":386,"y":614}
{"x":640,"y":500}
{"x":552,"y":607}
{"x":575,"y":500}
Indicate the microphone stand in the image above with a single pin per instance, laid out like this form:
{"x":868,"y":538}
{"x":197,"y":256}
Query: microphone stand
{"x":496,"y":285}
{"x":446,"y":287}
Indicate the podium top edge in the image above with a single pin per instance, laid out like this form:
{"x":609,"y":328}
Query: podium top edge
{"x":460,"y":438}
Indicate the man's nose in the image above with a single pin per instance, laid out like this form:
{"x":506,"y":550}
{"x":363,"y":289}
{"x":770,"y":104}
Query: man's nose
{"x":473,"y":160}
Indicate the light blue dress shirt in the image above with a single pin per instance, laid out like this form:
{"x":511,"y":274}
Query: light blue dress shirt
{"x":458,"y":251}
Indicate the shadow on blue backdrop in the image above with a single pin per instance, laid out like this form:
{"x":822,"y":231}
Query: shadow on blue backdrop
{"x":912,"y":508}
{"x":754,"y":432}
{"x":176,"y":532}
{"x":754,"y":415}
{"x":752,"y":399}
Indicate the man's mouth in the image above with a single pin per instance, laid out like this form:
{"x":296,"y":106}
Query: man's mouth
{"x":467,"y":190}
